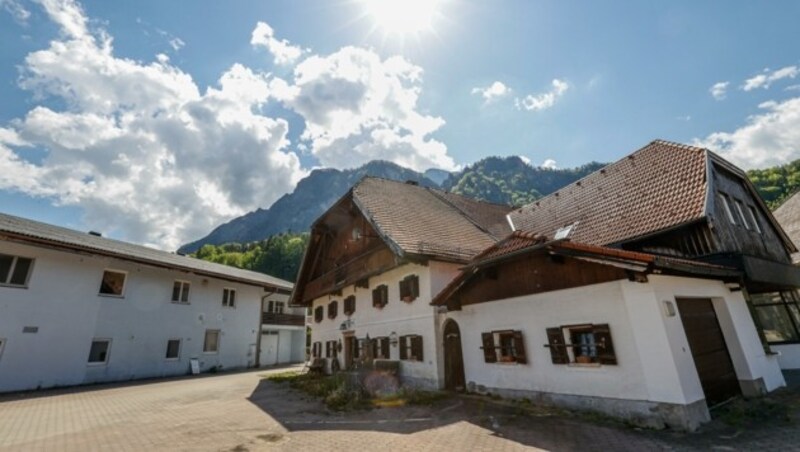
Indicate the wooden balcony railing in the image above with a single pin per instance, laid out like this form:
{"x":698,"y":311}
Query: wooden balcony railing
{"x":271,"y":318}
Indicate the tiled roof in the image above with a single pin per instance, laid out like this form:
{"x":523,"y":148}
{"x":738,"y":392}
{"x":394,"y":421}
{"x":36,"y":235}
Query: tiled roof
{"x":425,"y":221}
{"x":55,"y":236}
{"x":788,"y":216}
{"x":657,"y":187}
{"x":516,"y":241}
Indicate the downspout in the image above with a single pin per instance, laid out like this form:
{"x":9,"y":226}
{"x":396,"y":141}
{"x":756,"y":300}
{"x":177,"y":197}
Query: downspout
{"x":260,"y":332}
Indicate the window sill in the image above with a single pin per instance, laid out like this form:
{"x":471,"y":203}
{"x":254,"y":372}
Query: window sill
{"x":211,"y":353}
{"x":103,"y":364}
{"x":13,"y":286}
{"x":180,"y":302}
{"x":585,"y":365}
{"x":108,"y":295}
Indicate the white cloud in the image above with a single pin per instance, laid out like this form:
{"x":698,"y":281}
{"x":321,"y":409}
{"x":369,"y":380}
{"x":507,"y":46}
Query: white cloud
{"x":358,"y":107}
{"x":765,"y":79}
{"x":176,"y":43}
{"x":543,"y":101}
{"x":17,"y":11}
{"x":139,"y":146}
{"x":283,"y":51}
{"x":492,"y":92}
{"x":770,"y":138}
{"x":549,"y":163}
{"x":719,"y":90}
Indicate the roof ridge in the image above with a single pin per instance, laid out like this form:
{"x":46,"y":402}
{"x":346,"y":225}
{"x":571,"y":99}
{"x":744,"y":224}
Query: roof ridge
{"x":461,"y":212}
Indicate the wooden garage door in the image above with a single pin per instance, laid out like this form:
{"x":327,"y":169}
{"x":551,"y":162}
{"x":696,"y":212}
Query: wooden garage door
{"x":710,"y":353}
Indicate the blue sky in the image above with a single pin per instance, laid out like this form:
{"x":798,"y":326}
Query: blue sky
{"x":156,"y":121}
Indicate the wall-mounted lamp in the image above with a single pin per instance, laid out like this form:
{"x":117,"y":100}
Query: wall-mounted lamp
{"x":393,"y":339}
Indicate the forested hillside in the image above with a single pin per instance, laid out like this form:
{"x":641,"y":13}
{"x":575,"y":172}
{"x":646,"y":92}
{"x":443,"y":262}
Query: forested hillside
{"x":279,"y":255}
{"x":777,"y":183}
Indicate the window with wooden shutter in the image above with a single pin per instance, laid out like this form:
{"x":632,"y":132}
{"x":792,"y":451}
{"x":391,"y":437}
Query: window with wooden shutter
{"x":383,"y":348}
{"x":557,"y":345}
{"x":333,"y":308}
{"x":350,"y":305}
{"x":409,"y":288}
{"x":489,"y":353}
{"x":356,"y":348}
{"x":380,"y":296}
{"x":416,"y":348}
{"x":319,"y":312}
{"x":605,"y":346}
{"x":403,"y":347}
{"x":519,"y":348}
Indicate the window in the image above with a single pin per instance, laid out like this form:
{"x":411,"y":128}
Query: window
{"x":581,"y":344}
{"x":173,"y":349}
{"x":350,"y":305}
{"x":14,"y":270}
{"x":333,"y":309}
{"x":316,"y":350}
{"x":276,"y":307}
{"x":229,"y":298}
{"x":740,"y":211}
{"x":211,"y":341}
{"x":723,"y":199}
{"x":380,"y":296}
{"x":98,"y":353}
{"x":319,"y":312}
{"x":331,"y":350}
{"x":380,"y":347}
{"x":180,"y":292}
{"x":504,"y":347}
{"x":779,"y":315}
{"x":754,"y":219}
{"x":411,"y":348}
{"x":113,"y":283}
{"x":409,"y":288}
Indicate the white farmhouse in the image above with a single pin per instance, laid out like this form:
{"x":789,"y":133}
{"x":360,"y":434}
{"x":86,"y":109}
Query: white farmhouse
{"x":77,"y":308}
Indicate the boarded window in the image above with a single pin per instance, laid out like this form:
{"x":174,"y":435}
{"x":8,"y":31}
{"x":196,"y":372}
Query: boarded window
{"x":113,"y":283}
{"x":211,"y":341}
{"x":173,"y":349}
{"x":98,"y":353}
{"x":380,"y":296}
{"x":581,"y":344}
{"x":333,"y":309}
{"x":319,"y":313}
{"x":180,"y":292}
{"x":411,"y":348}
{"x":14,"y":271}
{"x":504,"y":346}
{"x":350,"y":305}
{"x":409,"y":288}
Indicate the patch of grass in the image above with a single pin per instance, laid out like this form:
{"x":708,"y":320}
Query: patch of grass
{"x":334,"y":390}
{"x":754,"y":411}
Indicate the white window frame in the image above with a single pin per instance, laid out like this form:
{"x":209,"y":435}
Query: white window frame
{"x":739,"y":208}
{"x":124,"y":283}
{"x":180,"y":346}
{"x":186,"y":287}
{"x":14,"y":260}
{"x":272,"y":307}
{"x":753,"y":217}
{"x":108,"y":352}
{"x":226,"y":297}
{"x":726,"y":205}
{"x":205,"y":339}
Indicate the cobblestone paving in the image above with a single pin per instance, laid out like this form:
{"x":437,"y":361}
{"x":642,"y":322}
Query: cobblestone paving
{"x":241,"y":412}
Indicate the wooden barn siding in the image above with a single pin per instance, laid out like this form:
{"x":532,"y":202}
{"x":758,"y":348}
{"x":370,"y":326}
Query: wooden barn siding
{"x":536,"y":274}
{"x":735,"y":238}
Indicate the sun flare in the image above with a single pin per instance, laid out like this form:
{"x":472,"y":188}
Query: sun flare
{"x":403,"y":17}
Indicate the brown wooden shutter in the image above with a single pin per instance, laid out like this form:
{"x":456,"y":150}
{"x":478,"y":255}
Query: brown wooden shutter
{"x":416,"y":348}
{"x":558,"y":352}
{"x":385,"y":347}
{"x":384,"y":295}
{"x":605,"y":346}
{"x":404,"y":289}
{"x":414,"y":283}
{"x":403,"y":349}
{"x":519,"y":348}
{"x":489,"y":353}
{"x":376,"y":300}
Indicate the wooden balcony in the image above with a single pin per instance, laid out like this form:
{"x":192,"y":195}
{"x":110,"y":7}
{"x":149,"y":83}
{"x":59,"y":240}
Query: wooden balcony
{"x":271,"y":318}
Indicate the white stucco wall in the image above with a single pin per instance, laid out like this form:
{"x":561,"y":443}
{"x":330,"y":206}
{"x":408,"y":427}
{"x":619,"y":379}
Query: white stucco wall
{"x":399,"y":317}
{"x":654,"y":360}
{"x":62,"y":301}
{"x":788,"y":355}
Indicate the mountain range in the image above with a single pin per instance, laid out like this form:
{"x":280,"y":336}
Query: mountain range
{"x":502,"y":180}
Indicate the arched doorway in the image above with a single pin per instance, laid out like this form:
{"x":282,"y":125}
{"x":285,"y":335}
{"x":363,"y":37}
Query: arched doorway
{"x":453,"y":359}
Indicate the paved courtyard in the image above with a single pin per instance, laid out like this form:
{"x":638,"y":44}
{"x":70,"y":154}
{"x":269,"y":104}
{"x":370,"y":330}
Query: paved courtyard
{"x":242,"y":411}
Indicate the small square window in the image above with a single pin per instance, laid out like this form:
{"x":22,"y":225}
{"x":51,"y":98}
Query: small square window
{"x":173,"y":349}
{"x":229,"y":298}
{"x":99,"y":352}
{"x":276,"y":307}
{"x":180,"y":291}
{"x":211,"y":342}
{"x":113,"y":283}
{"x":14,"y":270}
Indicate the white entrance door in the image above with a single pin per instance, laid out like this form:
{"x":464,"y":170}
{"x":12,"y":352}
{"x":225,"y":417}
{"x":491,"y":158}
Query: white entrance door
{"x":269,"y":348}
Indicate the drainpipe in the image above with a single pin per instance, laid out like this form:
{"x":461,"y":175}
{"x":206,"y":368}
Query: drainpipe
{"x":261,"y":316}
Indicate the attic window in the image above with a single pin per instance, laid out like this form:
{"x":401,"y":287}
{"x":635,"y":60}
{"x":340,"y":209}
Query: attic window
{"x":726,"y":205}
{"x":409,"y":288}
{"x":380,"y":296}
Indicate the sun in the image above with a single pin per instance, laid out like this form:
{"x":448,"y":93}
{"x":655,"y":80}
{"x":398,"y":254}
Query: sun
{"x":403,"y":17}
